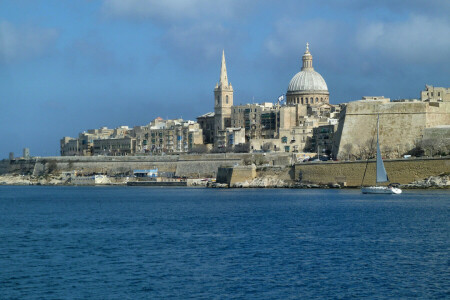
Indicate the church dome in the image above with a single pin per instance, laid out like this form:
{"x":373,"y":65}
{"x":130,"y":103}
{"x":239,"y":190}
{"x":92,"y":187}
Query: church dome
{"x":307,"y":81}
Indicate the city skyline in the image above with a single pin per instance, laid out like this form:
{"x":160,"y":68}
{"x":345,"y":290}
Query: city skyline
{"x":69,"y":67}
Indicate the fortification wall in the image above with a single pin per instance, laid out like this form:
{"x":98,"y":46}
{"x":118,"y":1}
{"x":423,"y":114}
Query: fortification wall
{"x":401,"y":125}
{"x":202,"y":165}
{"x":204,"y":168}
{"x":236,"y":174}
{"x":401,"y":171}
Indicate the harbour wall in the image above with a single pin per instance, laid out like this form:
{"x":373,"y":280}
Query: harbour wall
{"x":193,"y":166}
{"x":232,"y":175}
{"x":402,"y":171}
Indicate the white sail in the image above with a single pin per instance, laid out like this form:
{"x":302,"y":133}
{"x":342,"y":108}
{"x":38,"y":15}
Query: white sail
{"x":381,"y":171}
{"x":381,"y":174}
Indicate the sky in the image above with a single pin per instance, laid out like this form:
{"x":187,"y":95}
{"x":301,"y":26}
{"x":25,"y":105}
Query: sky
{"x":70,"y":66}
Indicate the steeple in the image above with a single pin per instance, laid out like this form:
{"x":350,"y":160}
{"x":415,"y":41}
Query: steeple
{"x":223,"y":72}
{"x":307,"y":59}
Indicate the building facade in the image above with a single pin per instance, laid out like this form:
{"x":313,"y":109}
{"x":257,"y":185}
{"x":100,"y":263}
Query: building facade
{"x":435,"y":94}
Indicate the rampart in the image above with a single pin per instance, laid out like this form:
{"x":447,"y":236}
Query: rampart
{"x":193,"y":166}
{"x":401,"y":125}
{"x":351,"y":173}
{"x":232,"y":175}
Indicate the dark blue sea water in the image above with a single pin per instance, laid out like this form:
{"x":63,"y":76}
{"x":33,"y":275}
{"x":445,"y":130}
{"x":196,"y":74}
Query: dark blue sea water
{"x":180,"y":243}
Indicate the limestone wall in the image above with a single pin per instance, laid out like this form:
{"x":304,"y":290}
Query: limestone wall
{"x":401,"y":124}
{"x":401,"y":171}
{"x":202,"y":165}
{"x":236,"y":174}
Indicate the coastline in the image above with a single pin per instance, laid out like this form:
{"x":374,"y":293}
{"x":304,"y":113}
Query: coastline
{"x":433,"y":182}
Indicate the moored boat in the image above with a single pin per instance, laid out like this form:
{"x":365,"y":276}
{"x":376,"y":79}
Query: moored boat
{"x":381,"y":174}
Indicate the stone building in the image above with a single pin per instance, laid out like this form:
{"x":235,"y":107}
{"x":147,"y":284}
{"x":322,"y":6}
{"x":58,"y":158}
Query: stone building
{"x":83,"y":145}
{"x":223,"y":100}
{"x":115,"y":146}
{"x":168,"y":136}
{"x":307,"y":86}
{"x":435,"y":94}
{"x":229,"y":138}
{"x":322,"y":139}
{"x":258,"y":120}
{"x":206,"y":123}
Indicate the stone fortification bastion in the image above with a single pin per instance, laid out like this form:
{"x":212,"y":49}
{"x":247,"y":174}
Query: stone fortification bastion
{"x":402,"y":125}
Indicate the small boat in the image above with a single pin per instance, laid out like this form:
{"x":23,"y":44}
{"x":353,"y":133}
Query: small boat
{"x":381,"y":174}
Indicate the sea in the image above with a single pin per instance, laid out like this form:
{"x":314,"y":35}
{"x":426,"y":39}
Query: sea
{"x":198,"y":243}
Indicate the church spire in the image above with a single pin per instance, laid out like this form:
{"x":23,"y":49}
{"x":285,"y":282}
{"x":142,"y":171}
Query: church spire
{"x":223,"y":72}
{"x":307,"y":59}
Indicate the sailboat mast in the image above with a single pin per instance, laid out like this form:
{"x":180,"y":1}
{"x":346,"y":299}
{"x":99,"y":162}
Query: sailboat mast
{"x":378,"y":147}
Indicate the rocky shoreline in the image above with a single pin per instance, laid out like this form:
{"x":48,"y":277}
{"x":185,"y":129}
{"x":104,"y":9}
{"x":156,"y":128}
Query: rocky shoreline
{"x":434,"y":182}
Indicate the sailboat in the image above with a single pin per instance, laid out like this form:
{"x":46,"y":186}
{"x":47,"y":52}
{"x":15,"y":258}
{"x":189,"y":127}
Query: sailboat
{"x":381,"y":174}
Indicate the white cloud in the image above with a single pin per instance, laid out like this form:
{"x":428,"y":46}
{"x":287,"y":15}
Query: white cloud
{"x":414,"y":40}
{"x":20,"y":43}
{"x":204,"y":40}
{"x":288,"y":41}
{"x":170,"y":10}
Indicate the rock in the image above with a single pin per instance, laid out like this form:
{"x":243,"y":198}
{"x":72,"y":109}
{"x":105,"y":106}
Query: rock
{"x":441,"y":181}
{"x":218,"y":185}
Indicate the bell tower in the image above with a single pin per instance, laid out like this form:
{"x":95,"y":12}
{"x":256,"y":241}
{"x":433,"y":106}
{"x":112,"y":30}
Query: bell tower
{"x":223,"y":100}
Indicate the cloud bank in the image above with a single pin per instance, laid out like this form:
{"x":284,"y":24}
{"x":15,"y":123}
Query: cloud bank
{"x":22,"y":43}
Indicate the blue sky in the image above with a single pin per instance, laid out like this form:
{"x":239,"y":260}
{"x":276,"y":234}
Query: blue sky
{"x":69,"y":66}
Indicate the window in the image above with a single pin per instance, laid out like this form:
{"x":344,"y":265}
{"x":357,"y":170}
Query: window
{"x":306,"y":100}
{"x":226,"y":99}
{"x":286,"y":148}
{"x":317,"y":100}
{"x":284,"y":139}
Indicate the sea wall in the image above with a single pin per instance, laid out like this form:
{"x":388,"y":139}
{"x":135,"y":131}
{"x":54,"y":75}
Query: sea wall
{"x":236,"y":174}
{"x":402,"y":171}
{"x":202,"y":165}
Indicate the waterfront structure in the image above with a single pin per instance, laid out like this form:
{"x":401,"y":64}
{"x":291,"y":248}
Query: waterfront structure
{"x":306,"y":123}
{"x":223,"y":100}
{"x":402,"y":126}
{"x":435,"y":94}
{"x":307,"y":87}
{"x":152,"y":173}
